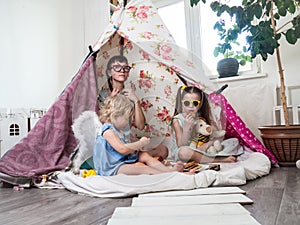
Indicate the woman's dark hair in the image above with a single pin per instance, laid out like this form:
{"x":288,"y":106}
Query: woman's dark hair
{"x":204,"y":110}
{"x":112,"y":60}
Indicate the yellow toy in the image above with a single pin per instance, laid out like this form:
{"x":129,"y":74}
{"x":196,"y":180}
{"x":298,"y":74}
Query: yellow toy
{"x":88,"y":173}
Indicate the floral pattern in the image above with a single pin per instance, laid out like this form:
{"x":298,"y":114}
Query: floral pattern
{"x":140,"y":14}
{"x":146,"y":81}
{"x":165,"y":51}
{"x":163,"y":115}
{"x":146,"y":104}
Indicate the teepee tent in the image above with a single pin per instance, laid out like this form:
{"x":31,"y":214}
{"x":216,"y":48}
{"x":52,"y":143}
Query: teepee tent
{"x":159,"y":68}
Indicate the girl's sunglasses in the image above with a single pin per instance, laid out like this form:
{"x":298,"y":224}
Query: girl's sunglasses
{"x":194,"y":103}
{"x":119,"y":68}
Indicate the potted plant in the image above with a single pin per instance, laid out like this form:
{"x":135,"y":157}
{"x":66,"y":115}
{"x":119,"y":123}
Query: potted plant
{"x":234,"y":54}
{"x":260,"y":18}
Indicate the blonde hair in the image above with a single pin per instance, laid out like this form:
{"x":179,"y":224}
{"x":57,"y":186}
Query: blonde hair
{"x":116,"y":106}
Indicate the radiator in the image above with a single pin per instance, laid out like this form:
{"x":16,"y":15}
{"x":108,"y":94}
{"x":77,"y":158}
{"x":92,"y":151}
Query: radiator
{"x":294,"y":115}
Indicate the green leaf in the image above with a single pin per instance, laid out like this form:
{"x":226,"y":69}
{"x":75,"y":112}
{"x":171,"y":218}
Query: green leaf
{"x":216,"y":52}
{"x":243,"y":62}
{"x":250,"y":12}
{"x":195,"y":2}
{"x":214,"y":6}
{"x":248,"y":58}
{"x":264,"y":56}
{"x":297,"y":31}
{"x":257,"y":11}
{"x":221,"y":10}
{"x":296,"y":21}
{"x":291,"y":36}
{"x":282,"y":11}
{"x":288,"y":3}
{"x":292,"y":8}
{"x":268,"y":7}
{"x":277,"y":36}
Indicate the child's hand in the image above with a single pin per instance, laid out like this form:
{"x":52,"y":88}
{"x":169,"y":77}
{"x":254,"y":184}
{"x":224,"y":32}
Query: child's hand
{"x":189,"y":122}
{"x":144,"y":141}
{"x":138,"y":145}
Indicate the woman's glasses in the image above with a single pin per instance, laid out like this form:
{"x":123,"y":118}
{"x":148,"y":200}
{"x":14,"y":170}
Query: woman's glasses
{"x":194,"y":103}
{"x":119,"y":68}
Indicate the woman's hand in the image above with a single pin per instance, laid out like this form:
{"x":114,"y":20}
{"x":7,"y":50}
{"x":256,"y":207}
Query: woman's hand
{"x":129,"y":93}
{"x":139,"y":117}
{"x":114,"y":92}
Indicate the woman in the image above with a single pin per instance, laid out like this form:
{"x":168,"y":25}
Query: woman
{"x":117,"y":72}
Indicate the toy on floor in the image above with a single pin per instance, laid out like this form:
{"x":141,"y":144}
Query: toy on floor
{"x":213,"y":166}
{"x":88,"y":173}
{"x":191,"y":166}
{"x":203,"y":139}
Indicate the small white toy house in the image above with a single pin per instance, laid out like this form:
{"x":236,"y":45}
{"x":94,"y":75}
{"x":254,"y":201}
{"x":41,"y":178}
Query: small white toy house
{"x":15,"y":124}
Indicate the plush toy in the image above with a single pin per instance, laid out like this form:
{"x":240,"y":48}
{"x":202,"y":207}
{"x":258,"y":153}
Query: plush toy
{"x":88,"y":173}
{"x":203,"y":138}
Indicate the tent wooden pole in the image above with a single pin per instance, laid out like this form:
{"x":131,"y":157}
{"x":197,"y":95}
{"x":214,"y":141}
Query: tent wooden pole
{"x":122,"y":38}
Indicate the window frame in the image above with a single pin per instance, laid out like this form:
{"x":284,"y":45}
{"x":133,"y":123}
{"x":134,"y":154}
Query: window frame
{"x":193,"y":34}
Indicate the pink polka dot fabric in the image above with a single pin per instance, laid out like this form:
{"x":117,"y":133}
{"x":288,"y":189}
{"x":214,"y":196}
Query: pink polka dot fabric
{"x":235,"y":127}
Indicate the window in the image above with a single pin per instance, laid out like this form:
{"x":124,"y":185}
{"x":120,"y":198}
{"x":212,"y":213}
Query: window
{"x":14,"y":130}
{"x":192,"y":28}
{"x":174,"y":17}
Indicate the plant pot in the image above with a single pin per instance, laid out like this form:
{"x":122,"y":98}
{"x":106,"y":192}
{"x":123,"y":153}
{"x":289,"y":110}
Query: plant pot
{"x":283,"y":142}
{"x":228,"y":67}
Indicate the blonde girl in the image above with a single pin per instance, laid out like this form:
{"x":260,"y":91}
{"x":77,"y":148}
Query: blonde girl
{"x":191,"y":103}
{"x":112,"y":155}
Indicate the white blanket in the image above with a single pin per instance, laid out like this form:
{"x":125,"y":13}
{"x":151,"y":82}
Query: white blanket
{"x":249,"y":166}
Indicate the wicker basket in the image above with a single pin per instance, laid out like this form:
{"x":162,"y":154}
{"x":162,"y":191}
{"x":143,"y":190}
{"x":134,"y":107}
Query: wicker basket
{"x":283,"y":142}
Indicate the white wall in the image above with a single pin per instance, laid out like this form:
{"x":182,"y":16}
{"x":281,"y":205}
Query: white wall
{"x":43,"y":44}
{"x":290,"y":57}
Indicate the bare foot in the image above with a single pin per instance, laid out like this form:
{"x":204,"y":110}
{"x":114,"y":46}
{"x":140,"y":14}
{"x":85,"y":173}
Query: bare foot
{"x":179,"y":166}
{"x":229,"y":159}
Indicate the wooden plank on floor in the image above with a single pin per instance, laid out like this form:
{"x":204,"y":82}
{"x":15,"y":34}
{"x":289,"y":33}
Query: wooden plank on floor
{"x":289,"y":211}
{"x":267,"y":202}
{"x":203,"y":220}
{"x":37,"y":206}
{"x":191,"y":200}
{"x":199,"y":191}
{"x":180,"y":210}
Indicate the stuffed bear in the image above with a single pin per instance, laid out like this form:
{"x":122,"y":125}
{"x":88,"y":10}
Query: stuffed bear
{"x":203,"y":138}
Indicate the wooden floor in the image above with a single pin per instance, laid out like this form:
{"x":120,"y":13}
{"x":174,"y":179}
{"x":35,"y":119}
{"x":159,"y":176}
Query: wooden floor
{"x":276,"y":202}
